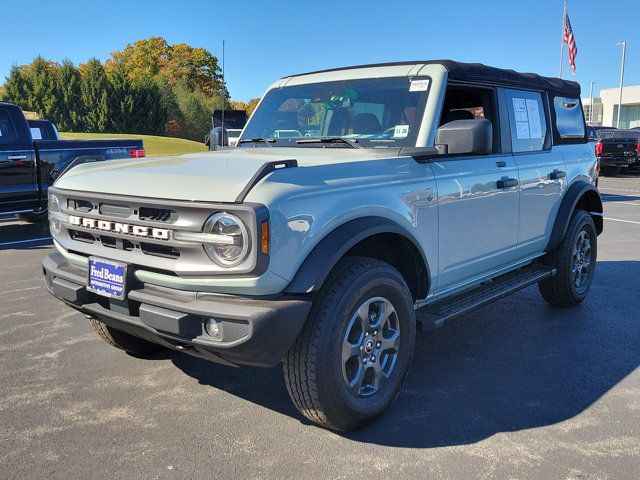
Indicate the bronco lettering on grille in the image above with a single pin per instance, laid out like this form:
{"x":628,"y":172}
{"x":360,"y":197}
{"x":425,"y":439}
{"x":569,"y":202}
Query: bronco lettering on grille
{"x":117,"y":227}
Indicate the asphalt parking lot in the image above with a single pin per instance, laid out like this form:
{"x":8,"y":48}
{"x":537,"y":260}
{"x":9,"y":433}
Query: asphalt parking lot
{"x":515,"y":390}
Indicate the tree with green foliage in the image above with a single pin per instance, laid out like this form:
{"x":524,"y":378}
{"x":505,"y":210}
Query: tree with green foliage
{"x":197,"y":67}
{"x":16,"y":88}
{"x":95,"y":92}
{"x":70,"y":108}
{"x":41,"y":89}
{"x":151,"y":117}
{"x":122,"y":101}
{"x":143,"y":58}
{"x":196,"y":110}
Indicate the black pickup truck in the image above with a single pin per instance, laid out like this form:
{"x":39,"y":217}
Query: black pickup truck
{"x":28,"y":167}
{"x":617,"y":150}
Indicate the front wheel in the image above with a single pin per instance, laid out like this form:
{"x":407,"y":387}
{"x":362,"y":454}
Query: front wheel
{"x":352,"y":357}
{"x":575,"y":263}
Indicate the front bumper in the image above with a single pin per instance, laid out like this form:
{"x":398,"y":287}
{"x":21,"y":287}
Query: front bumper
{"x":254,"y":331}
{"x":618,"y":161}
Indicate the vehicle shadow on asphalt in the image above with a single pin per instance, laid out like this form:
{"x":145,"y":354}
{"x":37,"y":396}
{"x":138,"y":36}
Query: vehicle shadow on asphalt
{"x":608,"y":197}
{"x":514,"y":365}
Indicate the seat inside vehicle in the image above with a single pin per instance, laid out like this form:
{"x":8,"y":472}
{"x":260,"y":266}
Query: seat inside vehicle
{"x":469,"y":103}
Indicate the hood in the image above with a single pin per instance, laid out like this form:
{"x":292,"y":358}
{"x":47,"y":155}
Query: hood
{"x":211,"y":176}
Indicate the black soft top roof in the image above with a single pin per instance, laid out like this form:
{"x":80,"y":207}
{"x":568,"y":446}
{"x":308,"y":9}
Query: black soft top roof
{"x":477,"y":72}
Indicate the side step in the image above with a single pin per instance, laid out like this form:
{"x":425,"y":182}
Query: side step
{"x":434,"y":315}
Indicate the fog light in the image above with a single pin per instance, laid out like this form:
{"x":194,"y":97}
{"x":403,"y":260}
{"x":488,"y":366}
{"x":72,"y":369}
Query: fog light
{"x":213,"y":328}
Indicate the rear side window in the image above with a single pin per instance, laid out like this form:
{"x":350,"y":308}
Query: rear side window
{"x":527,"y":120}
{"x":569,"y":119}
{"x":8,"y":134}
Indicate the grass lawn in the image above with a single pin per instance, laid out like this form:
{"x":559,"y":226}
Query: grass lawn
{"x":154,"y":146}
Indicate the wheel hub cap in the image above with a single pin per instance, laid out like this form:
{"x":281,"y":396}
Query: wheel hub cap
{"x":370,"y":346}
{"x":581,"y":261}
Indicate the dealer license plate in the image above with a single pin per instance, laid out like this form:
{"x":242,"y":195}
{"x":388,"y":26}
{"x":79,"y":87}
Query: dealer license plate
{"x":107,"y":278}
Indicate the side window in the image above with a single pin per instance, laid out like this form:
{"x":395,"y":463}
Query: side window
{"x":469,"y":103}
{"x":527,"y":120}
{"x":569,"y":119}
{"x":36,"y":133}
{"x":8,"y":134}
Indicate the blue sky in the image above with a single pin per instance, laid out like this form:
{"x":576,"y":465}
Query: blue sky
{"x":268,"y":40}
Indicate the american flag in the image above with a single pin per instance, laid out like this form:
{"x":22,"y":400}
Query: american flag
{"x":567,"y":37}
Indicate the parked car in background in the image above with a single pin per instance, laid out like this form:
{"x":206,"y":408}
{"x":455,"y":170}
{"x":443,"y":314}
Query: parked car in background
{"x":42,"y":129}
{"x":29,"y":165}
{"x":226,"y":126}
{"x":593,"y":131}
{"x":617,"y":150}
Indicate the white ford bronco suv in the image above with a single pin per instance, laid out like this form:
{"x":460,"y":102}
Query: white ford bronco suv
{"x":361,"y":205}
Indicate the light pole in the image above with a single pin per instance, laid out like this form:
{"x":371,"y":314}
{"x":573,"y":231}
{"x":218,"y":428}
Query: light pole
{"x":624,"y":51}
{"x":591,"y":103}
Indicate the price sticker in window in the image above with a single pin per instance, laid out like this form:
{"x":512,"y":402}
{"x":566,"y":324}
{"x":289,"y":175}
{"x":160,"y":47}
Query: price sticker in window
{"x":401,"y":131}
{"x":419,"y":85}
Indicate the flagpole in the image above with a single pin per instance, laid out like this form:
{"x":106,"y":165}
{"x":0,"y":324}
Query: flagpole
{"x":564,"y":14}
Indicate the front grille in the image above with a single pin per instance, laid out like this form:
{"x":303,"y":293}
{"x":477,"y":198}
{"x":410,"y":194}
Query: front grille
{"x":82,"y":206}
{"x":153,"y":250}
{"x":166,"y":251}
{"x":118,"y":211}
{"x":81,"y":236}
{"x":157,"y":214}
{"x":119,"y":243}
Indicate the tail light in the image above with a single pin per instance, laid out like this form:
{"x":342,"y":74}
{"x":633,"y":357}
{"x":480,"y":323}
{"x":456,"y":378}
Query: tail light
{"x":598,"y":149}
{"x":136,"y":153}
{"x":638,"y":148}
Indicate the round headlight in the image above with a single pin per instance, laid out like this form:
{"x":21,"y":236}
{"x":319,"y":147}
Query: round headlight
{"x":233,"y":245}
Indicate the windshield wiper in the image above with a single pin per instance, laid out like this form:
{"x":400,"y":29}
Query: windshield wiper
{"x":266,"y":141}
{"x":351,"y":142}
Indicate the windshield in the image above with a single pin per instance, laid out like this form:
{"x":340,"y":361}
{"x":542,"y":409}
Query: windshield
{"x":375,"y":112}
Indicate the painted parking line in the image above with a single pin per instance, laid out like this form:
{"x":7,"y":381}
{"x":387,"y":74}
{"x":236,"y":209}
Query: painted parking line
{"x":614,"y":202}
{"x":620,"y":220}
{"x":620,"y":190}
{"x":31,"y":240}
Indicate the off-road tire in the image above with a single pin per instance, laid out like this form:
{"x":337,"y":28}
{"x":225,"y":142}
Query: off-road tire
{"x":560,"y":290}
{"x":313,"y":367}
{"x":124,"y":341}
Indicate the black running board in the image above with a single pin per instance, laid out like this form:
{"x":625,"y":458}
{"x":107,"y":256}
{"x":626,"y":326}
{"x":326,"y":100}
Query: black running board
{"x":435,"y":315}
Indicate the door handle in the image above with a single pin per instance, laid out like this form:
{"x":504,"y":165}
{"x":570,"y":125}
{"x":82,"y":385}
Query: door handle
{"x":557,"y":174}
{"x":17,"y":157}
{"x":506,"y":182}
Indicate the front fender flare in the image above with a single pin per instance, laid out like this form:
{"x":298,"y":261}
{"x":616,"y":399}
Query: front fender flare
{"x":326,"y":254}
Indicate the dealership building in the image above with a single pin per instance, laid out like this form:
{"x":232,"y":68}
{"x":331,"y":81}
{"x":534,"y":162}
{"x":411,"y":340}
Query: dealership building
{"x":605,"y":107}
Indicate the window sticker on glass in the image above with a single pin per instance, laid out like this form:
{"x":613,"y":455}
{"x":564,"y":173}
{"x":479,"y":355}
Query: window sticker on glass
{"x":401,"y":131}
{"x":419,"y":85}
{"x":533,"y":112}
{"x":522,"y":119}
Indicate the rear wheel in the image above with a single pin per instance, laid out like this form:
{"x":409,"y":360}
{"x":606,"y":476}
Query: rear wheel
{"x":575,"y":263}
{"x":123,"y":341}
{"x":352,"y":357}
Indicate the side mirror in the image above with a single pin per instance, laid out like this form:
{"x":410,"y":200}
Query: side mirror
{"x":218,"y":138}
{"x":474,"y":137}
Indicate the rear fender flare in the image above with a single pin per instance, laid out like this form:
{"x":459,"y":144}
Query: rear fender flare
{"x":570,"y":201}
